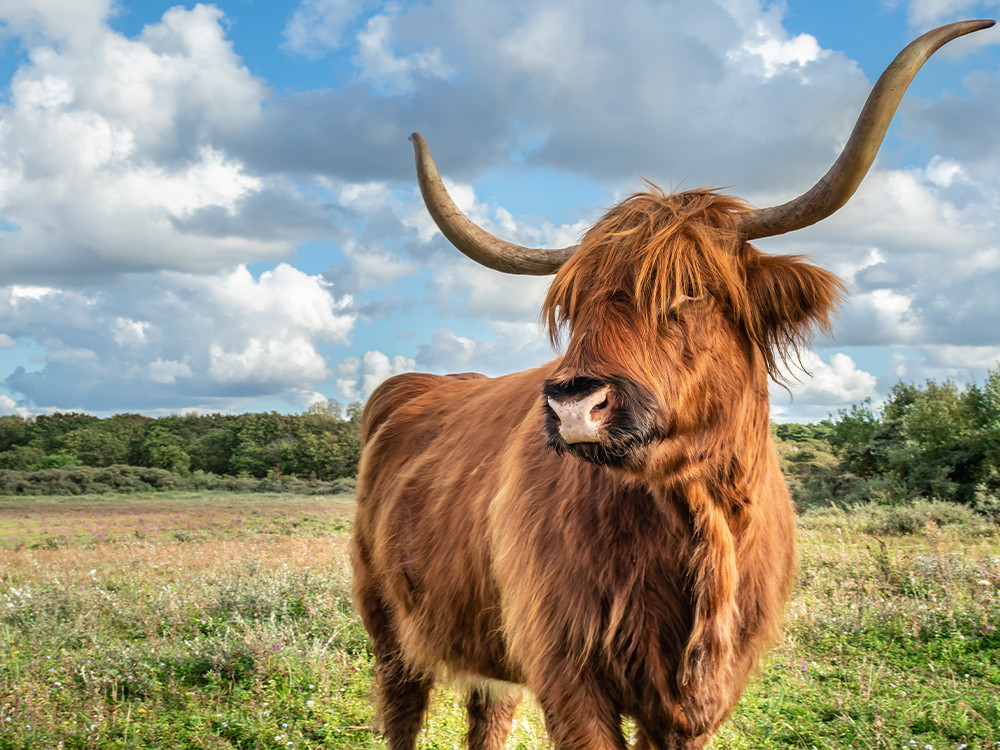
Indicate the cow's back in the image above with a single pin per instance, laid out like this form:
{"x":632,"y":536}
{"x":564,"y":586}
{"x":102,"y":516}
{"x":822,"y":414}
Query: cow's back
{"x":398,"y":390}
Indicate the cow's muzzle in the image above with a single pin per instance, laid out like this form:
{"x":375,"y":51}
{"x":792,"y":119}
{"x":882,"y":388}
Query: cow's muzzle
{"x":604,"y":421}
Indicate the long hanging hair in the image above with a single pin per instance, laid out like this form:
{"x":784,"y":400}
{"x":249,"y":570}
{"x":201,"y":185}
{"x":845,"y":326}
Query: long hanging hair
{"x":660,"y":248}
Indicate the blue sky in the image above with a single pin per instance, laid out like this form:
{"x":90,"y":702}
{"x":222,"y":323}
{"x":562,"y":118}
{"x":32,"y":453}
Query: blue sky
{"x":212,"y":207}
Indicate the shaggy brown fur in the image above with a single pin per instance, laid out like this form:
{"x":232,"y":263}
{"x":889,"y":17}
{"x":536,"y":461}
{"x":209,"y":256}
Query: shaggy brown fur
{"x":647,"y":589}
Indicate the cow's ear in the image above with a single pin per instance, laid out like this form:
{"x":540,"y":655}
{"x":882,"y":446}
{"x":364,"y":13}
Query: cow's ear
{"x":789,"y":300}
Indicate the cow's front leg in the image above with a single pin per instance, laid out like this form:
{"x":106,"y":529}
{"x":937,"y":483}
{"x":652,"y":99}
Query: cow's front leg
{"x":579,"y":716}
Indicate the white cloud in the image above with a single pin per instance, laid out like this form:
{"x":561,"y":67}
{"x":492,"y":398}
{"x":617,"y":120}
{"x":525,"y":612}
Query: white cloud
{"x":829,"y":386}
{"x":106,"y":153}
{"x":123,"y":158}
{"x":359,"y":376}
{"x":318,"y":25}
{"x":387,"y":71}
{"x":377,"y":367}
{"x":943,"y":172}
{"x":184,"y":340}
{"x":943,"y":362}
{"x":167,"y":371}
{"x":127,"y":332}
{"x":962,"y":358}
{"x":880,"y":317}
{"x":270,"y":360}
{"x":76,"y":23}
{"x":505,"y":347}
{"x":347,"y":377}
{"x":368,"y":268}
{"x":9,"y":407}
{"x":778,"y":55}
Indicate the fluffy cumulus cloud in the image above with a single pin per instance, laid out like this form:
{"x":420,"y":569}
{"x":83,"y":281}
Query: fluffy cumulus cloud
{"x":590,"y":89}
{"x":827,"y":385}
{"x":106,"y":162}
{"x":145,"y":181}
{"x":129,"y":221}
{"x":359,"y":376}
{"x":505,"y":348}
{"x":919,"y":251}
{"x":176,"y":340}
{"x":318,"y":25}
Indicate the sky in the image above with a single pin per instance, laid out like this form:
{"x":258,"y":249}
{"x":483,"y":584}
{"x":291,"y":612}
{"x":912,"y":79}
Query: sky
{"x":212,"y":207}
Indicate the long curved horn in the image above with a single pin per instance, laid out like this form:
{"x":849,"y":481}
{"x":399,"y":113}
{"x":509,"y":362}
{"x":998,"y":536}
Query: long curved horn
{"x":838,"y":185}
{"x":478,"y":244}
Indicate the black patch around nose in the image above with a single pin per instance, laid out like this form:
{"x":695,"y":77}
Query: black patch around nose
{"x":635,"y":420}
{"x":574,"y":388}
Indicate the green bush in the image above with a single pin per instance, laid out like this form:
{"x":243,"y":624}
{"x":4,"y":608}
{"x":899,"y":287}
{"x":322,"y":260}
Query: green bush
{"x":80,"y":480}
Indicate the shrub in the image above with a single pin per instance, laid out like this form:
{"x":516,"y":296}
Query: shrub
{"x":78,"y":480}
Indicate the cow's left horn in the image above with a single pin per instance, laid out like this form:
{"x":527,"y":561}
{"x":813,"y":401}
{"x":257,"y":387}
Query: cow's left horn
{"x":477,"y":243}
{"x":838,"y":185}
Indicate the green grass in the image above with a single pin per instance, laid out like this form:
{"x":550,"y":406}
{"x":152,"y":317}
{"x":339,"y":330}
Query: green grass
{"x":222,"y":621}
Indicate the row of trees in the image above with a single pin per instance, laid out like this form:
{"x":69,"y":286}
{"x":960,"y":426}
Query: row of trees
{"x":936,"y":441}
{"x":324,"y":443}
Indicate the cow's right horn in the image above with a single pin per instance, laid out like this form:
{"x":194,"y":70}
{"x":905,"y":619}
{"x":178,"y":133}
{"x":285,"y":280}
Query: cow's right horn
{"x":477,"y":243}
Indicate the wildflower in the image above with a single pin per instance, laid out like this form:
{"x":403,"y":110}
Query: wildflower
{"x":310,"y":703}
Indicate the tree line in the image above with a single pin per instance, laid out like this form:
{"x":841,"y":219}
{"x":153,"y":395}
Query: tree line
{"x":322,"y":444}
{"x":934,"y":441}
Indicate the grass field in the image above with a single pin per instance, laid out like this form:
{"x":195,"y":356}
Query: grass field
{"x":224,"y":621}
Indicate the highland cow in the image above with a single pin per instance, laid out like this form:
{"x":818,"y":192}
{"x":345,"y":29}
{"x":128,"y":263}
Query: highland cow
{"x":612,"y":529}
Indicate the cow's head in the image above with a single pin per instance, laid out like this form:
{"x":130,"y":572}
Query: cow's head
{"x":672,"y":322}
{"x":673,"y":319}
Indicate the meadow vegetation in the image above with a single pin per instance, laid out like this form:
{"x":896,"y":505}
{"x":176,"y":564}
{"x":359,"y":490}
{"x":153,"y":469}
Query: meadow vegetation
{"x":224,"y":621}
